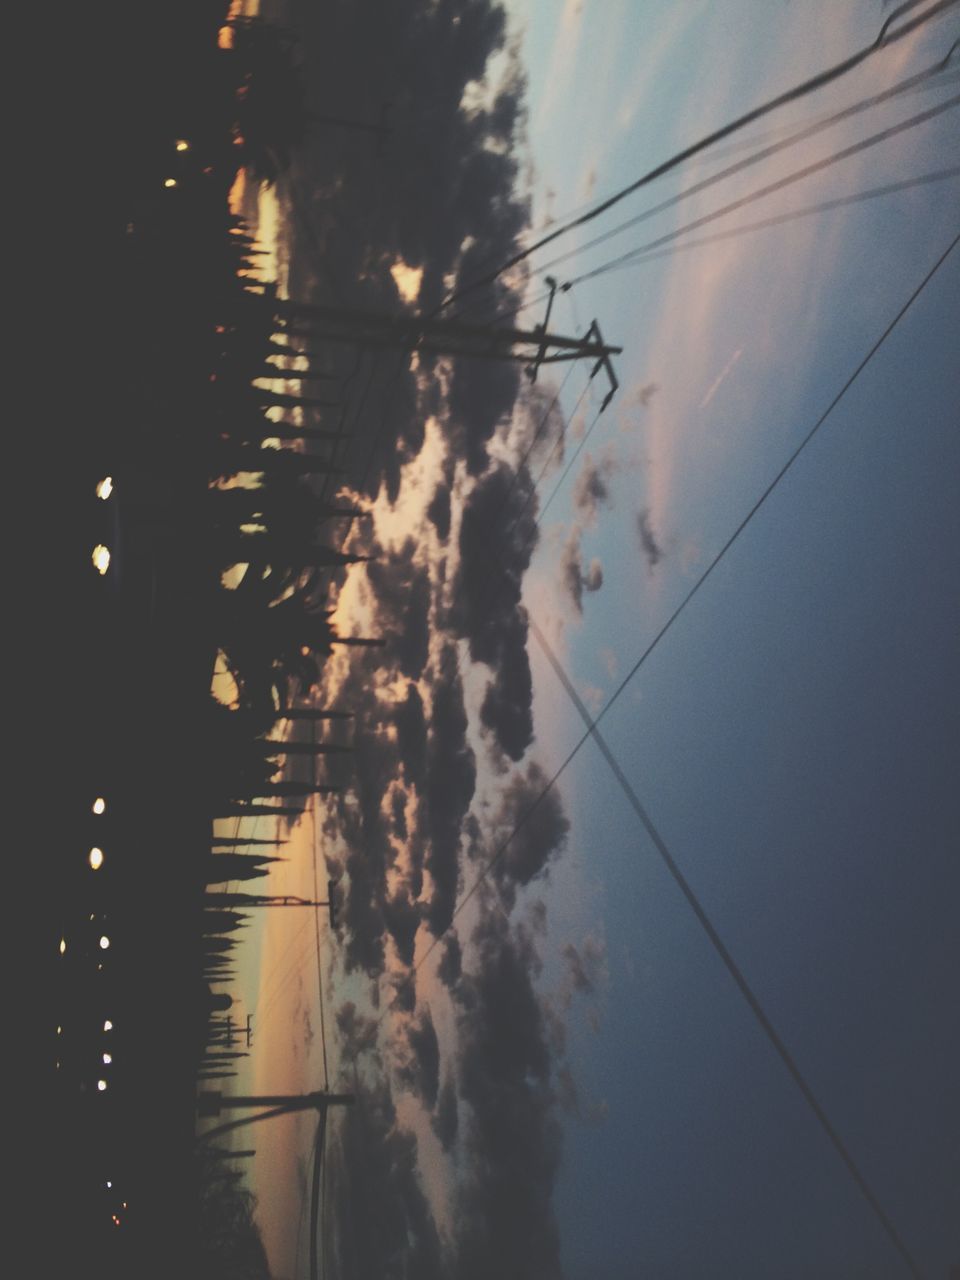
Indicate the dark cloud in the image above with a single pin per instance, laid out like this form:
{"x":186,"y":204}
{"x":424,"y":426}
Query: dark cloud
{"x":652,"y":549}
{"x":536,"y":816}
{"x":539,"y":428}
{"x":453,"y":205}
{"x":567,"y":1093}
{"x":445,"y":1118}
{"x":412,"y":735}
{"x":404,"y":992}
{"x":509,"y":1133}
{"x":450,"y":785}
{"x":438,"y":511}
{"x":385,"y":1224}
{"x":450,"y":965}
{"x":402,"y":918}
{"x":575,"y":578}
{"x":358,"y":1034}
{"x":419,"y":1066}
{"x":402,"y":593}
{"x":586,"y":967}
{"x":592,"y":488}
{"x":497,"y":536}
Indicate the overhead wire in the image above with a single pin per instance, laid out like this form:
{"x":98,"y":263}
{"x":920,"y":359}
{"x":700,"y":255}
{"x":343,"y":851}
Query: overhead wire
{"x":884,"y":39}
{"x":769,"y":188}
{"x":642,"y":255}
{"x":764,"y":154}
{"x":592,"y":731}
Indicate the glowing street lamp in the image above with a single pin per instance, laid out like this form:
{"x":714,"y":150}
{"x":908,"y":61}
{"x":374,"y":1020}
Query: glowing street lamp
{"x":95,"y":858}
{"x":182,"y":144}
{"x":105,"y":488}
{"x":101,"y":558}
{"x":104,"y":942}
{"x":169,"y":183}
{"x":99,"y":805}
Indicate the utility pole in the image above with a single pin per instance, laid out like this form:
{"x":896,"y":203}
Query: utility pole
{"x":277,"y":900}
{"x":440,"y":336}
{"x":210,"y":1104}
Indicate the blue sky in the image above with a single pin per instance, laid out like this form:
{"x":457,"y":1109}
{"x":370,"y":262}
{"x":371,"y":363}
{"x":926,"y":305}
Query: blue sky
{"x":795,"y":735}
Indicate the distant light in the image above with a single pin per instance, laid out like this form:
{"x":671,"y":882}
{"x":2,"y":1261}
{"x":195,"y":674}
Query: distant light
{"x":95,"y":858}
{"x":169,"y":182}
{"x":124,"y":1205}
{"x":63,"y":945}
{"x":183,"y":144}
{"x":102,"y":1085}
{"x":101,"y":558}
{"x":99,"y":805}
{"x":116,"y":1220}
{"x":108,"y":1026}
{"x":105,"y":488}
{"x":107,"y":1059}
{"x":109,"y":1185}
{"x":104,"y":942}
{"x":59,"y":1031}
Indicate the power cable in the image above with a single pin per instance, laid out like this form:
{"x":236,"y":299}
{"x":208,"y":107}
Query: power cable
{"x":592,"y":731}
{"x":884,"y":39}
{"x":764,"y":154}
{"x":769,"y":189}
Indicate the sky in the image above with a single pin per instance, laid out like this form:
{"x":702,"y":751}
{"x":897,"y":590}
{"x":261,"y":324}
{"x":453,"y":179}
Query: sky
{"x":555,"y":1072}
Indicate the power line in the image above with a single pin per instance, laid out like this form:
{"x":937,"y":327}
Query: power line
{"x":884,"y":39}
{"x":764,"y":154}
{"x":771,"y":188}
{"x":931,"y":79}
{"x":592,"y":730}
{"x":643,"y":255}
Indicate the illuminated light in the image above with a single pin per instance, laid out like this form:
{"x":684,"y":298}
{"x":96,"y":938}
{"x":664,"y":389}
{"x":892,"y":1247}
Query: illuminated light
{"x":63,"y":945}
{"x":107,"y":1059}
{"x":109,"y":1185}
{"x":95,"y":858}
{"x":58,"y":1065}
{"x":116,"y":1220}
{"x":102,"y":1085}
{"x":169,"y":183}
{"x":105,"y":488}
{"x":104,"y":942}
{"x":99,"y":805}
{"x":182,"y":144}
{"x":99,"y":967}
{"x":101,"y":558}
{"x":124,"y":1205}
{"x":108,"y":1025}
{"x":59,"y":1031}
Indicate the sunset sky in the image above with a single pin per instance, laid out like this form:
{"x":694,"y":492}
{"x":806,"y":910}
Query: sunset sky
{"x":569,"y":1079}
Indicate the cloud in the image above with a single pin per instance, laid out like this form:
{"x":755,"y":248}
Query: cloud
{"x":592,"y":488}
{"x":450,"y":965}
{"x":509,"y":1131}
{"x":585,"y":967}
{"x":383,"y":1215}
{"x":451,"y":781}
{"x":446,"y":1116}
{"x":358,"y":1034}
{"x":419,"y":1067}
{"x":534,"y":820}
{"x":574,"y":577}
{"x":497,"y":535}
{"x":651,"y":548}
